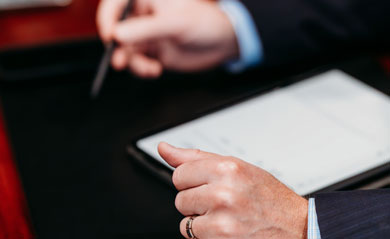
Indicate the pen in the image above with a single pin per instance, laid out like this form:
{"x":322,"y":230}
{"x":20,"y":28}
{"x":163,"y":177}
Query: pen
{"x":106,"y":59}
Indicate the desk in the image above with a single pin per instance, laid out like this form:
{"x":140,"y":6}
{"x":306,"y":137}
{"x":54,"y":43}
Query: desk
{"x":78,"y":180}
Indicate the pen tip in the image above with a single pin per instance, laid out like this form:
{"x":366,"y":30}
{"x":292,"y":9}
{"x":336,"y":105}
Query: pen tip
{"x":94,"y":95}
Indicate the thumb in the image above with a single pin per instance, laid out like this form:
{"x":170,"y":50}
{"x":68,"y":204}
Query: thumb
{"x":142,"y":29}
{"x":177,"y":156}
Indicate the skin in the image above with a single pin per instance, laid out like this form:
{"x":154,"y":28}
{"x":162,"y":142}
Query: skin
{"x":233,"y":199}
{"x":178,"y":35}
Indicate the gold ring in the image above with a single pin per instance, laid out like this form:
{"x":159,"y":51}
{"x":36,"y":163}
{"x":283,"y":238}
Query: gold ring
{"x":189,"y":231}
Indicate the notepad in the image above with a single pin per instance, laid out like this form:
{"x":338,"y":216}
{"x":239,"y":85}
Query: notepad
{"x":309,"y":135}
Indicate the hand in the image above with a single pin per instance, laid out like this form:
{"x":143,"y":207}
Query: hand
{"x":233,"y":199}
{"x":179,"y":35}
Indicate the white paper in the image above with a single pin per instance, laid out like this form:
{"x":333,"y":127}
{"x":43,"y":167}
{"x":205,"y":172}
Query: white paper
{"x":309,"y":135}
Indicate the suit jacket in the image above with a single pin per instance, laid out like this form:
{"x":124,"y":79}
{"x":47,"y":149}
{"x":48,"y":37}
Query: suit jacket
{"x":294,"y":30}
{"x":354,"y":214}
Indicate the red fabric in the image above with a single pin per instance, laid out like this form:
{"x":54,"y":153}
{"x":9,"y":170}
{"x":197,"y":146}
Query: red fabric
{"x":48,"y":25}
{"x":14,"y":218}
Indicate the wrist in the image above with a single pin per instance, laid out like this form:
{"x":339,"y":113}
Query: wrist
{"x":296,"y":217}
{"x":303,"y":217}
{"x":231,"y":47}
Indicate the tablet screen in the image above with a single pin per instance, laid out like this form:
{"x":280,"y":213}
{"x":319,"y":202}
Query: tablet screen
{"x":309,"y":135}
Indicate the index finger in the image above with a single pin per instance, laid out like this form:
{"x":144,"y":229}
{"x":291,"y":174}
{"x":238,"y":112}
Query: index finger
{"x":108,"y":14}
{"x":178,"y":156}
{"x":194,"y":174}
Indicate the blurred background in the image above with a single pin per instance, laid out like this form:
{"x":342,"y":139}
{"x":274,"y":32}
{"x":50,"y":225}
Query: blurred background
{"x":37,"y":22}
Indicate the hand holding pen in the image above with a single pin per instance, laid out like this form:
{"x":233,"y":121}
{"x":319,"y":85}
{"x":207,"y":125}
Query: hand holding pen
{"x":175,"y":35}
{"x":106,"y":59}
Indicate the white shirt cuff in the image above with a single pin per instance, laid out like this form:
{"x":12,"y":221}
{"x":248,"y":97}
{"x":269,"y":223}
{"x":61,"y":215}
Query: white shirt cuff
{"x":313,"y":229}
{"x":249,"y":42}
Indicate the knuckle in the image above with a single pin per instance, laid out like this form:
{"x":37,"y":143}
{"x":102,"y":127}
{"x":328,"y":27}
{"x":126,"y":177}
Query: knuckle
{"x":167,"y":60}
{"x":179,"y":201}
{"x":197,"y":152}
{"x":228,"y":167}
{"x":225,"y":198}
{"x":183,"y":227}
{"x":225,"y":227}
{"x":176,"y":178}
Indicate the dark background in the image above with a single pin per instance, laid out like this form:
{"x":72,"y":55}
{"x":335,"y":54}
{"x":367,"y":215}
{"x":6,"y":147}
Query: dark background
{"x":78,"y":179}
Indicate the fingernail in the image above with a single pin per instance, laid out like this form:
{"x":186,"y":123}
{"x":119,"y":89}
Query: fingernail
{"x":169,"y":145}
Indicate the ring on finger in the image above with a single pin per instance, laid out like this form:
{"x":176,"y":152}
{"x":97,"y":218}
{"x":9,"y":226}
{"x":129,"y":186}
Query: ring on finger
{"x":189,"y":231}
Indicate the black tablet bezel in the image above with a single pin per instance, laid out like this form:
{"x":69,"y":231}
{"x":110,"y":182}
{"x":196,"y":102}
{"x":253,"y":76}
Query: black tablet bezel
{"x":164,"y":173}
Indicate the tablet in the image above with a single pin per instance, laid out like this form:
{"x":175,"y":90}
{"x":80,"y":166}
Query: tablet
{"x":310,"y":135}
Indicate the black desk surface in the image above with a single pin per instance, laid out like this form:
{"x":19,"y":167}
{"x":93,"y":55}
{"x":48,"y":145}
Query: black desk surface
{"x":78,"y":180}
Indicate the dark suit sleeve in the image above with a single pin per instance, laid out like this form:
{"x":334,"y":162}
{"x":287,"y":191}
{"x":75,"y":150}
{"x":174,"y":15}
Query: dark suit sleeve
{"x":295,"y":30}
{"x":354,"y":214}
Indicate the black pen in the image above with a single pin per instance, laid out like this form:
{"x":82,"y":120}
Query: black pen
{"x":106,"y":59}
